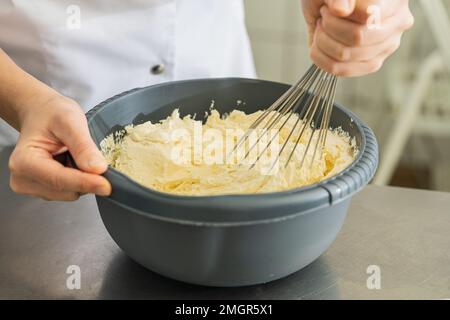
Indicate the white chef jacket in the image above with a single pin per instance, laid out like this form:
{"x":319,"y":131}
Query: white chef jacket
{"x":91,"y":50}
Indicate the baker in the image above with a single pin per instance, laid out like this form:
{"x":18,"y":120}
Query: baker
{"x":57,"y":58}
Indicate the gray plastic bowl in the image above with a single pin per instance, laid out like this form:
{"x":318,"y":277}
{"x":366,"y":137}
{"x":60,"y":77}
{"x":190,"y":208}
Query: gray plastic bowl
{"x":229,"y":240}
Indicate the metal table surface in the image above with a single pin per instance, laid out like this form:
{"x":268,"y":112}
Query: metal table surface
{"x":405,"y":233}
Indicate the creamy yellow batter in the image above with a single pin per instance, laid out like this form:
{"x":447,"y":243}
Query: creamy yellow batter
{"x":180,"y":155}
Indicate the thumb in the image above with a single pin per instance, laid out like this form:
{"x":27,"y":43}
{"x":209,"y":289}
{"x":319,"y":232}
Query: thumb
{"x":76,"y":137}
{"x":341,"y":8}
{"x":87,"y":156}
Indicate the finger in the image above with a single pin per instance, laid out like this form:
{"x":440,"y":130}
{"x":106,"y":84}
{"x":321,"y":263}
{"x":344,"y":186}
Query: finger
{"x":29,"y":187}
{"x":43,"y":168}
{"x":342,"y":53}
{"x":346,"y":69}
{"x":311,"y":12}
{"x":71,"y":128}
{"x":341,"y":8}
{"x":353,"y":34}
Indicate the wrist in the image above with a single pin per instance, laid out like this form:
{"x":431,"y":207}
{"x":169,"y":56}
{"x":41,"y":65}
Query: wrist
{"x":20,"y":92}
{"x":35,"y":100}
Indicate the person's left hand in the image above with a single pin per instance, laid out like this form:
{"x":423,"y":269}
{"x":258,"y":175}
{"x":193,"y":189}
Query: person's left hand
{"x":355,"y":37}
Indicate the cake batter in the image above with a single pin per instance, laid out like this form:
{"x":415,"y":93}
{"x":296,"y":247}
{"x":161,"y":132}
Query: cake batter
{"x":180,"y":155}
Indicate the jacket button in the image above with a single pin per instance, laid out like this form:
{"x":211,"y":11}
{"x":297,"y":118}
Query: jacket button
{"x":158,"y":69}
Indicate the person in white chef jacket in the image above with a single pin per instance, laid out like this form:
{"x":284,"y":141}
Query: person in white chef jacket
{"x":60,"y":56}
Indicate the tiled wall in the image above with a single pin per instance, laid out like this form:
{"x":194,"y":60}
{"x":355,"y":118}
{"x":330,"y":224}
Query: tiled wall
{"x":278,"y":35}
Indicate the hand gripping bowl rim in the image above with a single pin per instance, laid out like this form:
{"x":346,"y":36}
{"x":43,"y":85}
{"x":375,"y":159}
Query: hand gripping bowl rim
{"x":329,"y":191}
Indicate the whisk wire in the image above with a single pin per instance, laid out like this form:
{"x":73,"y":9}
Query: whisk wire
{"x":288,"y":94}
{"x":296,"y":100}
{"x":314,"y":92}
{"x":308,"y":123}
{"x":323,"y":129}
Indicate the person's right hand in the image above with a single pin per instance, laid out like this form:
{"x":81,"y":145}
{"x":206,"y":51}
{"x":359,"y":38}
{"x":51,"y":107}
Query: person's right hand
{"x":52,"y":127}
{"x":355,"y":37}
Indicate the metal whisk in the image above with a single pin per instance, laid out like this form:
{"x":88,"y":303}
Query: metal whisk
{"x":314,"y":95}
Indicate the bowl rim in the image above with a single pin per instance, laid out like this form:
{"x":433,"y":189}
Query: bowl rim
{"x":336,"y":188}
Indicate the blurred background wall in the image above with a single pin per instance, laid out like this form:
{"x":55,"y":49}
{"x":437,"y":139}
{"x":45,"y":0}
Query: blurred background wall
{"x":412,"y":79}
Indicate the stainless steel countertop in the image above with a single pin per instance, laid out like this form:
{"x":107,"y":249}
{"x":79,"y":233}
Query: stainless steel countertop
{"x":404,"y":232}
